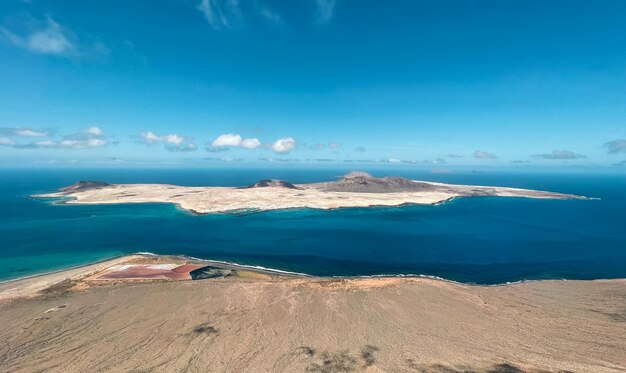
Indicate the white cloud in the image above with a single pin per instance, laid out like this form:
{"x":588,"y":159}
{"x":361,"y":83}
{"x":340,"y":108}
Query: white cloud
{"x":223,"y":159}
{"x":43,"y":144}
{"x":232,"y":140}
{"x":271,"y":159}
{"x":6,"y":141}
{"x":250,"y":143}
{"x":173,"y":139}
{"x":184,"y":147}
{"x":25,"y":132}
{"x":220,"y":13}
{"x":325,"y":10}
{"x":172,"y":142}
{"x":359,"y":149}
{"x":92,"y":137}
{"x":46,"y":38}
{"x":50,"y":40}
{"x":206,"y":7}
{"x":616,"y":146}
{"x":149,"y":137}
{"x":560,"y":154}
{"x":484,"y":155}
{"x":94,"y":131}
{"x":80,"y":143}
{"x":227,"y":140}
{"x":270,"y":15}
{"x":22,"y":132}
{"x":228,"y":14}
{"x":330,"y":145}
{"x":284,"y":145}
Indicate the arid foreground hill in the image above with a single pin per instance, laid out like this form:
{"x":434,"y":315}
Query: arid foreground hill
{"x":255,"y":322}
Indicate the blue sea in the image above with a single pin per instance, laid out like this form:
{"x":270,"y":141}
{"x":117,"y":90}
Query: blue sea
{"x":475,"y":240}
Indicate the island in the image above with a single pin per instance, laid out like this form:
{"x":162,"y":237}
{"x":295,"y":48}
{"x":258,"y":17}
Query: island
{"x":356,"y":189}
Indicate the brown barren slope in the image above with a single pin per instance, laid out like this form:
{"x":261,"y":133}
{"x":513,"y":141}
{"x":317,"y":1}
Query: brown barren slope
{"x":271,"y":324}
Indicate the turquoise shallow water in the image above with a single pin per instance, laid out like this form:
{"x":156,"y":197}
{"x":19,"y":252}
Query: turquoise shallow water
{"x":477,"y":240}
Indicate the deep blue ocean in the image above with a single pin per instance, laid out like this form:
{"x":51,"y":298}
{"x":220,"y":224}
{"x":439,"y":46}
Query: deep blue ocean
{"x":477,"y":240}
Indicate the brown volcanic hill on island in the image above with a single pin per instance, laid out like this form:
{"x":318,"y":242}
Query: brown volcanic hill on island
{"x":84,"y":185}
{"x":271,"y":183}
{"x":362,"y":182}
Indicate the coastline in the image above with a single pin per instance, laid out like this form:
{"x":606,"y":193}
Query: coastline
{"x":475,"y":270}
{"x":31,"y":285}
{"x":285,"y":273}
{"x":129,"y":256}
{"x":257,"y":320}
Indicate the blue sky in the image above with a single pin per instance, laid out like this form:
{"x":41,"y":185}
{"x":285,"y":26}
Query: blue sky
{"x":434,"y":84}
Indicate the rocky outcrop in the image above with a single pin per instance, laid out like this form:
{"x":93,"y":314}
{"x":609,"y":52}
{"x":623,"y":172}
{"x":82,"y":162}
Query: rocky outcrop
{"x":271,"y":183}
{"x":84,"y":185}
{"x":362,"y":182}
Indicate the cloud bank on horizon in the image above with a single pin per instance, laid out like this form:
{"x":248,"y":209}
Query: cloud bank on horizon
{"x":94,"y":137}
{"x":91,"y":137}
{"x":313,"y":81}
{"x":560,"y":154}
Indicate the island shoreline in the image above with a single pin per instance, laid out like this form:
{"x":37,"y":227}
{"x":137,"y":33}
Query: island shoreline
{"x":351,"y":191}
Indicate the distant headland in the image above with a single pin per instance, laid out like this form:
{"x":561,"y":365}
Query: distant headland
{"x":355,"y":189}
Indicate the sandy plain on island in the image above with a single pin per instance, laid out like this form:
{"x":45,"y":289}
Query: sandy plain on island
{"x":262,"y":322}
{"x":356,"y":189}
